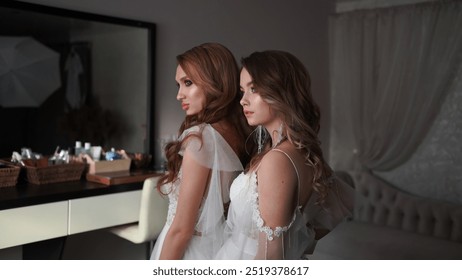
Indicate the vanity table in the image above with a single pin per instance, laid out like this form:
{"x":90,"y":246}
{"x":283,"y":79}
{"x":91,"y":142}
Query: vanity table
{"x":31,"y":213}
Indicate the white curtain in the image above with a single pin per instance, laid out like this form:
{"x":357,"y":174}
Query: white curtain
{"x":391,"y":70}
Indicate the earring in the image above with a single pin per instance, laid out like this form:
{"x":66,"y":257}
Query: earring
{"x":261,"y":137}
{"x":280,"y":133}
{"x":280,"y":136}
{"x":259,"y":140}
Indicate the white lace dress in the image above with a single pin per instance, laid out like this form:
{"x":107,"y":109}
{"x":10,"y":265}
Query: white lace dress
{"x":243,"y":238}
{"x":216,"y":154}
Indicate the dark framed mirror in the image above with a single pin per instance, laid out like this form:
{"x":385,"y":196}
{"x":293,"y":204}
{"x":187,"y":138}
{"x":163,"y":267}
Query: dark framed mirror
{"x":68,"y":76}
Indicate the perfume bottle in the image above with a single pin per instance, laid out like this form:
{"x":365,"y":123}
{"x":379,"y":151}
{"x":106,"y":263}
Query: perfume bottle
{"x":87,"y":148}
{"x":78,"y":148}
{"x":113,"y":155}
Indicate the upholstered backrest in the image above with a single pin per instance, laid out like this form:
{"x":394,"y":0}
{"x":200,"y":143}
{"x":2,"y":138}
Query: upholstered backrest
{"x":380,"y":203}
{"x":153,"y":210}
{"x":345,"y":177}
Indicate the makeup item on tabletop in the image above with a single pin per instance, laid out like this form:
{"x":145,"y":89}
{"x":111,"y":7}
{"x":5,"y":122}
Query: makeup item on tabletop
{"x":78,"y":148}
{"x":113,"y":155}
{"x":45,"y":170}
{"x":95,"y":152}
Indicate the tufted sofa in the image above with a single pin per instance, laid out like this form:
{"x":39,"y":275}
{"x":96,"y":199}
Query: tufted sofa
{"x":389,"y":224}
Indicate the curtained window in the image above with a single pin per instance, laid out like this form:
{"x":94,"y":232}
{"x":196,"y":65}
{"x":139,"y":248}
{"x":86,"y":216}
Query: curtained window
{"x":391,"y":71}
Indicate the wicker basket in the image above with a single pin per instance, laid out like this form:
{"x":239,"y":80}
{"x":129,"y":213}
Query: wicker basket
{"x":37,"y":173}
{"x":8,"y":174}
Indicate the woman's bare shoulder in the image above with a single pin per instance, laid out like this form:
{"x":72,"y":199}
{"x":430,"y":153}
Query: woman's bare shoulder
{"x":275,"y":167}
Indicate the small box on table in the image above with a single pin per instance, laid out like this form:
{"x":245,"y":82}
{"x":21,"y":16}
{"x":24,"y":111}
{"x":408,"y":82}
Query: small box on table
{"x":105,"y":166}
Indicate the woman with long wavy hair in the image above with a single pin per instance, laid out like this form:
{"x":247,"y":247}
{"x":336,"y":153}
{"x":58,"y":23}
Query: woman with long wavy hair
{"x":207,"y":156}
{"x":289,"y":193}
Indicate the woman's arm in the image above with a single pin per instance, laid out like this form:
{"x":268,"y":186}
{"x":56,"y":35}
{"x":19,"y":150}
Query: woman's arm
{"x":277,"y":187}
{"x":193,"y":185}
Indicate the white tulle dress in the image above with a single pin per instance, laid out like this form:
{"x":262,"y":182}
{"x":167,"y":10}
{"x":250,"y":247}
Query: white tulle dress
{"x":214,"y":153}
{"x":247,"y":236}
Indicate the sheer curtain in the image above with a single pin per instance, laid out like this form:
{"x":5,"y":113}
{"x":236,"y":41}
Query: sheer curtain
{"x":391,"y":70}
{"x":435,"y":168}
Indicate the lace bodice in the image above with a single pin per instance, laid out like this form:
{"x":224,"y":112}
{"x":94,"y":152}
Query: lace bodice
{"x":247,"y":236}
{"x":173,"y":191}
{"x":244,"y":219}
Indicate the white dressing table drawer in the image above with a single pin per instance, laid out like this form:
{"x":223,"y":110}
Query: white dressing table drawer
{"x":103,"y":211}
{"x":33,"y":223}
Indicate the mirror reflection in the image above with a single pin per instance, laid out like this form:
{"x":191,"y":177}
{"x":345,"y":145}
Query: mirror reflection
{"x":67,"y":77}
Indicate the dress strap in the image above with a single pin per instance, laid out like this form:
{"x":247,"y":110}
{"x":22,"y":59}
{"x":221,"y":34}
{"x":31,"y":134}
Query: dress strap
{"x":296,"y":171}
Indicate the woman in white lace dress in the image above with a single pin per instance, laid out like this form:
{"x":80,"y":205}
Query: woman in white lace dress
{"x":206,"y":158}
{"x":288,"y":195}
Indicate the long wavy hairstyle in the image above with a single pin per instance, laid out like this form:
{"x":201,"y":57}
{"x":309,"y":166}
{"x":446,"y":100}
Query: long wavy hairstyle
{"x":213,"y":68}
{"x":285,"y":84}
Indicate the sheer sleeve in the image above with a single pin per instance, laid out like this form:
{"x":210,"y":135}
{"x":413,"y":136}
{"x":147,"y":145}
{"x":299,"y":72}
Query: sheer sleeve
{"x":337,"y":207}
{"x":271,"y":241}
{"x":283,"y":242}
{"x":211,"y":150}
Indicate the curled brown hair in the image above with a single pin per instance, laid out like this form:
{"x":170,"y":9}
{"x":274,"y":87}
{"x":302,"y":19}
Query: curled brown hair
{"x":284,"y":83}
{"x":213,"y":68}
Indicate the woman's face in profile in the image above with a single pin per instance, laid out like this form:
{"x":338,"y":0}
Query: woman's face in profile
{"x":256,"y":110}
{"x":192,"y":97}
